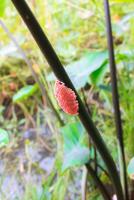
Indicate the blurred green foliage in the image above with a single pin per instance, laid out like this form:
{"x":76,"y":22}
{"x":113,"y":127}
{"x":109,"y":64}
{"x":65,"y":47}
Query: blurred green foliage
{"x":76,"y":29}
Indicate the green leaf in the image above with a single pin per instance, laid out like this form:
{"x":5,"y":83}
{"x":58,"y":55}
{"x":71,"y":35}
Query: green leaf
{"x":125,"y":55}
{"x":130,"y":168}
{"x":4,"y":138}
{"x":60,"y":187}
{"x":76,"y":150}
{"x":80,"y":70}
{"x":65,"y":49}
{"x":106,"y":88}
{"x":25,"y":92}
{"x":3,"y":4}
{"x":97,"y":76}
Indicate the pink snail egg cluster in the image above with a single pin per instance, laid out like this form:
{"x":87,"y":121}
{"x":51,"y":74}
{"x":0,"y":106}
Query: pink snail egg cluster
{"x":66,"y":98}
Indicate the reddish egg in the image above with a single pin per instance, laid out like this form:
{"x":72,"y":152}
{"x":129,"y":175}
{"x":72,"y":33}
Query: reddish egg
{"x":66,"y":98}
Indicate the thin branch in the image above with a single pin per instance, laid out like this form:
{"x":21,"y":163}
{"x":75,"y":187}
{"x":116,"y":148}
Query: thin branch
{"x":61,"y":74}
{"x":84,"y":180}
{"x":98,"y":183}
{"x":115,"y":96}
{"x":100,"y":167}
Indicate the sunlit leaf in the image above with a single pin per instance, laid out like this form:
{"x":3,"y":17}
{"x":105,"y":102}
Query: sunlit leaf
{"x":4,"y":138}
{"x":3,"y":4}
{"x":97,"y":76}
{"x":76,"y":151}
{"x":25,"y":92}
{"x":65,"y":49}
{"x":125,"y":55}
{"x":80,"y":70}
{"x":130,"y":168}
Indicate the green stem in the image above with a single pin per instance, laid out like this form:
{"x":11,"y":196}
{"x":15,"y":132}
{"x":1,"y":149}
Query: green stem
{"x":61,"y":74}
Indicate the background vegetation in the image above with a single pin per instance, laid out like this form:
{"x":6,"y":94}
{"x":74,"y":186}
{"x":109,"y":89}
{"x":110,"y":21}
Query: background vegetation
{"x":36,"y":137}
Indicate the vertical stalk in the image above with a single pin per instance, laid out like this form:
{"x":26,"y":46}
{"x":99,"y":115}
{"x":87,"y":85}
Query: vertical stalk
{"x":116,"y":105}
{"x":53,"y":60}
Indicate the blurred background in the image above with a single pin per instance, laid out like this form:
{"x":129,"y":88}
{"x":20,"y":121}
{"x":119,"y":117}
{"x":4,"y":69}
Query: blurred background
{"x":35,"y":133}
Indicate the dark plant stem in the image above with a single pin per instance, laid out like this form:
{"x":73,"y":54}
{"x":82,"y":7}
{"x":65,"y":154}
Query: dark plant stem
{"x":98,"y":182}
{"x":95,"y":159}
{"x":132,"y":190}
{"x":85,"y":101}
{"x":61,"y":74}
{"x":88,"y":110}
{"x":100,"y":167}
{"x":90,"y":140}
{"x":115,"y":96}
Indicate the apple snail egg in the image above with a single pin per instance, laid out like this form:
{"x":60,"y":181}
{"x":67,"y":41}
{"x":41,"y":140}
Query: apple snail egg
{"x":66,"y":98}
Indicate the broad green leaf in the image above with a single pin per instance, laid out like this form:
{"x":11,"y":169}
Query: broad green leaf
{"x":97,"y":76}
{"x":80,"y":70}
{"x":4,"y":138}
{"x":3,"y":4}
{"x":130,"y":168}
{"x":125,"y":55}
{"x":76,"y":150}
{"x":25,"y":92}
